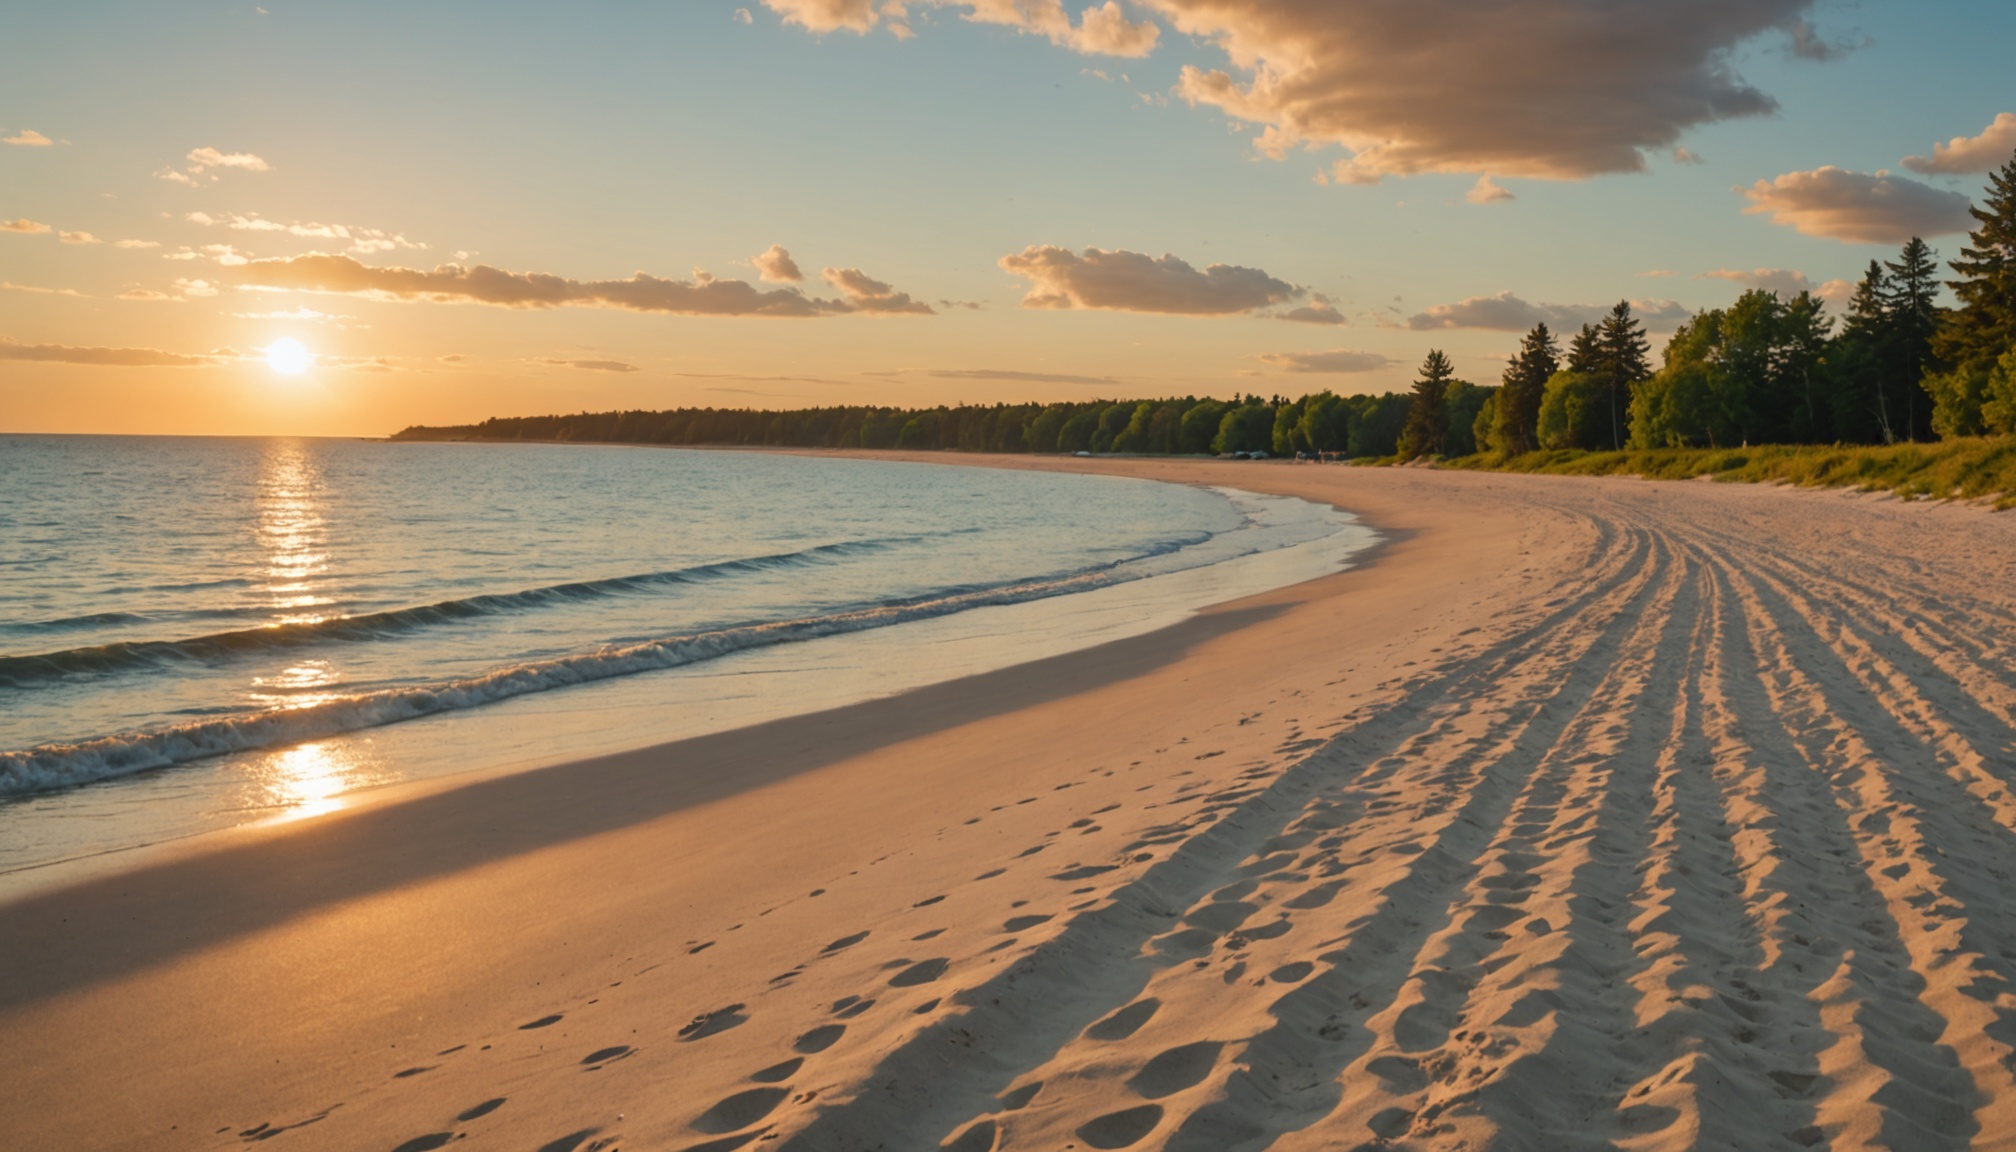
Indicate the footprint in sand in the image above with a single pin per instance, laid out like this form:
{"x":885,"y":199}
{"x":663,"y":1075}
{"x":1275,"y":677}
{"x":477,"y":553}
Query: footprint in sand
{"x":414,"y":1071}
{"x":1176,"y":1069}
{"x":1016,"y":1099}
{"x":926,"y":903}
{"x":844,"y":942}
{"x":1124,"y":1023}
{"x":727,"y":1143}
{"x":711,"y":1023}
{"x":740,"y":1110}
{"x":542,"y":1022}
{"x":1020,"y":923}
{"x":1293,"y":973}
{"x":1120,"y":1129}
{"x":603,"y":1056}
{"x":850,"y":1011}
{"x":922,"y":972}
{"x":573,"y":1141}
{"x":778,"y":1073}
{"x":819,"y":1039}
{"x":426,"y":1143}
{"x":481,"y":1110}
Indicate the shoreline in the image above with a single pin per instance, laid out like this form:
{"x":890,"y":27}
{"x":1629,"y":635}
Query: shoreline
{"x":371,"y":979}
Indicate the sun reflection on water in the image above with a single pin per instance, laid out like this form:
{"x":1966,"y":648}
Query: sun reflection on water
{"x":291,"y":531}
{"x":306,"y":780}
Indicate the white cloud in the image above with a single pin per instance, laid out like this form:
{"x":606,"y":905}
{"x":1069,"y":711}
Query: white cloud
{"x":28,"y":138}
{"x":1135,"y":282}
{"x":1506,"y":312}
{"x":775,"y":264}
{"x":203,"y":164}
{"x":452,"y":283}
{"x":136,"y":244}
{"x":1994,"y":147}
{"x":1836,"y":204}
{"x":357,"y":241}
{"x":1485,"y":192}
{"x":1337,"y":360}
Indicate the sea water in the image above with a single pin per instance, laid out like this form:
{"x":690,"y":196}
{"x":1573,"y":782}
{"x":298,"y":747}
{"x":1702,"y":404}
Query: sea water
{"x":197,"y":632}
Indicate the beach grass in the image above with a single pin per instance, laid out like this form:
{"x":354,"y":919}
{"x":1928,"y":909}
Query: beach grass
{"x":1977,"y":468}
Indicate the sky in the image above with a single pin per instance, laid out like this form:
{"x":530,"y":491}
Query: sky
{"x":343,"y":219}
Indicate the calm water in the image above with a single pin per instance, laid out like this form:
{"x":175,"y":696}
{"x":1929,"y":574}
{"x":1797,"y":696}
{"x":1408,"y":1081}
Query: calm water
{"x":176,"y":614}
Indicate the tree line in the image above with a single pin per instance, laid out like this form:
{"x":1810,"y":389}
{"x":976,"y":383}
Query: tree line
{"x":1766,"y":369}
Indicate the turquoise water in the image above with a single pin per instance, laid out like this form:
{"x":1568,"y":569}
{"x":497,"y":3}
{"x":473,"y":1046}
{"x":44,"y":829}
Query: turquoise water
{"x":179,"y":615}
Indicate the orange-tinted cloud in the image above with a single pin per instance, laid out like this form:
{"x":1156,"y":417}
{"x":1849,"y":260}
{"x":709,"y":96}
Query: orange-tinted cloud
{"x":202,"y":164}
{"x":1102,"y":29}
{"x":1337,"y":360}
{"x":1125,"y":281}
{"x":1783,"y":281}
{"x":1012,"y":374}
{"x":1506,"y":312}
{"x":1319,"y":310}
{"x":28,"y":138}
{"x":1553,"y":89}
{"x":867,"y":294}
{"x":104,"y":357}
{"x":1837,"y":204}
{"x":78,"y":238}
{"x":359,"y":241}
{"x":1994,"y":147}
{"x":1486,"y":192}
{"x":452,"y":283}
{"x":23,"y":225}
{"x":587,"y":365}
{"x":775,"y":265}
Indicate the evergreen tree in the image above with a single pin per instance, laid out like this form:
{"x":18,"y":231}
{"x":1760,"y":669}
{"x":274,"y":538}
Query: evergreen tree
{"x":1913,"y":316}
{"x":1865,"y":408}
{"x":1427,"y":428}
{"x":1585,"y":352}
{"x":1975,"y":336}
{"x":1517,"y":417}
{"x":1622,"y":359}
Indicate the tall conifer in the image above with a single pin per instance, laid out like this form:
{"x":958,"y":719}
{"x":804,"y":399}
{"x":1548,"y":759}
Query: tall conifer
{"x":1427,"y":430}
{"x":1525,"y":381}
{"x":1622,"y":360}
{"x":1913,"y":317}
{"x":1984,"y":326}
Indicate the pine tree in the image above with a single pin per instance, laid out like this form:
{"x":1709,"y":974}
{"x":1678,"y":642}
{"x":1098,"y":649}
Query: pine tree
{"x":1427,"y":430}
{"x":1622,"y":360}
{"x":1912,"y":316}
{"x":1584,"y":353}
{"x":1867,"y":405}
{"x":1525,"y":381}
{"x":1984,"y":326}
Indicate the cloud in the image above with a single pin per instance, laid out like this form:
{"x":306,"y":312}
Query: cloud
{"x":589,"y":365}
{"x":295,"y":314}
{"x":1506,"y":312}
{"x":221,"y":253}
{"x":9,"y":286}
{"x":1807,"y":44}
{"x":109,"y":357}
{"x":1009,"y":374}
{"x":1549,"y":89}
{"x":196,"y":287}
{"x":359,"y":241}
{"x":1318,"y":311}
{"x":742,"y":16}
{"x":23,"y":225}
{"x":1687,"y":156}
{"x":1783,"y":281}
{"x":451,"y":283}
{"x":28,"y":138}
{"x":147,"y":295}
{"x":1102,"y":30}
{"x":775,"y":264}
{"x":867,"y":294}
{"x":78,"y":238}
{"x":1125,"y":281}
{"x":1836,"y":291}
{"x":136,"y":244}
{"x":456,"y":358}
{"x":1964,"y":154}
{"x":1336,"y":360}
{"x":1485,"y":192}
{"x":203,"y":164}
{"x":1836,"y":204}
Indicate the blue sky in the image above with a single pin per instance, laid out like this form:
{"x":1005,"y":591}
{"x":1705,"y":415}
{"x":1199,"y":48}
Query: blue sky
{"x":592,"y":141}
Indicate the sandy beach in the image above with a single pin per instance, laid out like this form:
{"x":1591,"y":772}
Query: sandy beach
{"x":1581,"y":814}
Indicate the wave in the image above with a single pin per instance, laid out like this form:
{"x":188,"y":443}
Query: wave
{"x":31,"y":670}
{"x":64,"y":765}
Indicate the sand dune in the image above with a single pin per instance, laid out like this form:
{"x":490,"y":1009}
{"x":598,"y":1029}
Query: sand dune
{"x":1589,"y":814}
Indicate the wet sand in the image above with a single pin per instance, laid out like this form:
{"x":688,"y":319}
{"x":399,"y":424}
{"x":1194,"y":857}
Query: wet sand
{"x":1583,"y":814}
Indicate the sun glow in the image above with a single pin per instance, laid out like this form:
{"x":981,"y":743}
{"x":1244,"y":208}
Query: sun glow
{"x":288,"y":356}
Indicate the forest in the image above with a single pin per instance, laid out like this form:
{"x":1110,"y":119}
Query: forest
{"x":1898,"y":367}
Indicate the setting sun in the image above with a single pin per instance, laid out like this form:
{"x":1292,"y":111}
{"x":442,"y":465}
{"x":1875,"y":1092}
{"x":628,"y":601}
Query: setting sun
{"x":288,"y":356}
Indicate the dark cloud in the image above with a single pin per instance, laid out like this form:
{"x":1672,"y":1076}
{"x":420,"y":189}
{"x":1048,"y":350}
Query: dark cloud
{"x":702,"y":296}
{"x":1319,"y":310}
{"x":1125,"y":281}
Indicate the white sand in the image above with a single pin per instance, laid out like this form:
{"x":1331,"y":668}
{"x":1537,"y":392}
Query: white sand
{"x":1588,"y":814}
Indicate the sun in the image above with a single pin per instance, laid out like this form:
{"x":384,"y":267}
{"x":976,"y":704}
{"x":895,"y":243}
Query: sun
{"x":288,"y":356}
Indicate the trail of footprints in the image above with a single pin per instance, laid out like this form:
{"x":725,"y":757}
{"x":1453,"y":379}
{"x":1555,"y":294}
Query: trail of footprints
{"x":1640,"y":883}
